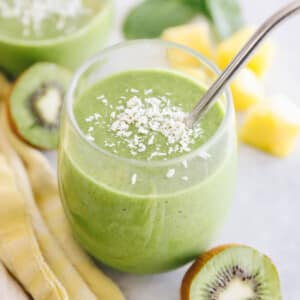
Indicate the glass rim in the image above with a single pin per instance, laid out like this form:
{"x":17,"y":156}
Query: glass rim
{"x":146,"y":163}
{"x":60,"y":39}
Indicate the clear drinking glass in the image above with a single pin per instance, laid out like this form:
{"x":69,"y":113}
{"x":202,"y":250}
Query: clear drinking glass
{"x":156,"y":224}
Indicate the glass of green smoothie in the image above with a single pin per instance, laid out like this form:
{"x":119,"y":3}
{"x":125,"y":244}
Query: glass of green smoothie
{"x":143,"y":192}
{"x":66,"y":32}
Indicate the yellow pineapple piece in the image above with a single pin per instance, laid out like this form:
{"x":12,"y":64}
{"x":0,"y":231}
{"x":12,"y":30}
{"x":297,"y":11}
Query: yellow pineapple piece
{"x":195,"y":36}
{"x":247,"y":90}
{"x":259,"y":63}
{"x":272,"y":126}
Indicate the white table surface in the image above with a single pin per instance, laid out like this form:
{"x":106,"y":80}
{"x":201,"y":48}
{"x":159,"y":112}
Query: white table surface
{"x":267,"y":204}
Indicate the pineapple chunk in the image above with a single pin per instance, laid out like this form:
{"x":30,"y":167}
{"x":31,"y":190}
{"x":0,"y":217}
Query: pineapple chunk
{"x":247,"y":90}
{"x":260,"y":61}
{"x":272,"y":126}
{"x":195,"y":36}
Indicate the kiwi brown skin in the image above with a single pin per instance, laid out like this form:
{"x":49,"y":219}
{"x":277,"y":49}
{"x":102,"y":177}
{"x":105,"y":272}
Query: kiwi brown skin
{"x":10,"y":77}
{"x":196,"y":268}
{"x":5,"y":86}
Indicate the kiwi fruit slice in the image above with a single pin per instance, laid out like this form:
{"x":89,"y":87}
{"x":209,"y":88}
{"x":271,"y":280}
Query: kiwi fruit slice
{"x":231,"y":272}
{"x":35,"y":104}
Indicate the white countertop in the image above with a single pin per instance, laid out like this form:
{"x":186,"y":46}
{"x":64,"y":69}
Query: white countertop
{"x":267,"y":204}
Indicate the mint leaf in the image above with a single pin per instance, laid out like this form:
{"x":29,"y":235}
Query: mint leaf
{"x":225,"y":15}
{"x":151,"y":17}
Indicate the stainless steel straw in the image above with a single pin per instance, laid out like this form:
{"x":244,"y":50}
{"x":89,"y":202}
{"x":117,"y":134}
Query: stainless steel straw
{"x":240,"y":60}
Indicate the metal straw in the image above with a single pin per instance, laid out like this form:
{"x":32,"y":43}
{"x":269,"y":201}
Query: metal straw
{"x":210,"y":97}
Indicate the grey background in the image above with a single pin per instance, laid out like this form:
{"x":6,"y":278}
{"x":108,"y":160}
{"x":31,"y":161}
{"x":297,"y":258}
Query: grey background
{"x":267,"y":207}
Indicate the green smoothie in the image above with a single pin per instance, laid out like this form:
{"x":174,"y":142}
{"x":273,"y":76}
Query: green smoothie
{"x":140,"y":196}
{"x":130,"y":95}
{"x":65,"y":32}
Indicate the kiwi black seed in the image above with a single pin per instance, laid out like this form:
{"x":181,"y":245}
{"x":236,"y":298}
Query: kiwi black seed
{"x":35,"y":104}
{"x":231,"y":272}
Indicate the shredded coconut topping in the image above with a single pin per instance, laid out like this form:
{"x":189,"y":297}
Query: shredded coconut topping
{"x":145,"y":124}
{"x":33,"y":13}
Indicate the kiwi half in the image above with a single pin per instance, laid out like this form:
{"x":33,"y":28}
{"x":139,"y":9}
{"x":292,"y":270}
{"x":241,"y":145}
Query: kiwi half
{"x":231,"y":272}
{"x":35,"y":103}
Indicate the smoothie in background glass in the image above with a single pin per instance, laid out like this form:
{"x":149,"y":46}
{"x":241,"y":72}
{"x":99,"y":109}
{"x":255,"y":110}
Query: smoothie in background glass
{"x":66,"y":31}
{"x":144,"y":193}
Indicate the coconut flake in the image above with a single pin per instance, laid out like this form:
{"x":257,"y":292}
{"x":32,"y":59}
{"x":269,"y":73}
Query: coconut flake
{"x":170,"y":173}
{"x":185,"y":164}
{"x":151,"y":140}
{"x":90,"y":138}
{"x":133,"y":179}
{"x":89,"y":119}
{"x":148,"y":92}
{"x":184,"y":178}
{"x":104,"y":101}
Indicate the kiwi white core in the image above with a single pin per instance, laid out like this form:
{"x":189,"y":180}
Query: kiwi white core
{"x":237,"y":290}
{"x":48,"y":106}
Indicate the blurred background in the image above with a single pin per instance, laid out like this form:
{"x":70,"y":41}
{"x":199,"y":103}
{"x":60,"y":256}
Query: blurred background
{"x":267,"y":202}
